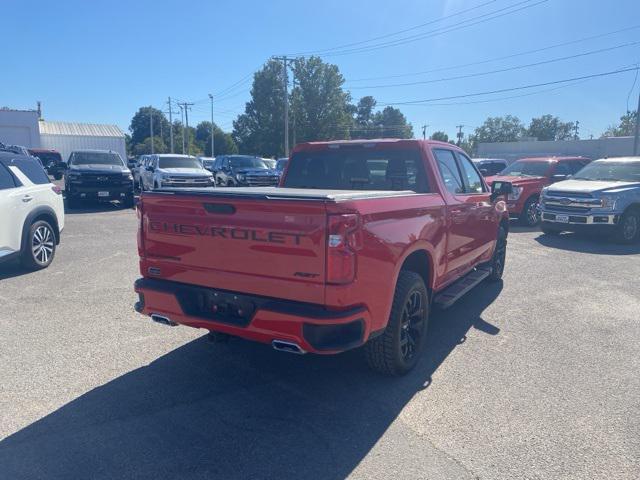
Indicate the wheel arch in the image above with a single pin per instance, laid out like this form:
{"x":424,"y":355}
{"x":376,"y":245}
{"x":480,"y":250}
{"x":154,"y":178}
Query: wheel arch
{"x":40,"y":213}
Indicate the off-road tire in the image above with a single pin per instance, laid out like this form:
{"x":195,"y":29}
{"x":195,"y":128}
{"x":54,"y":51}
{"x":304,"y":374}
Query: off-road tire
{"x":384,"y":353}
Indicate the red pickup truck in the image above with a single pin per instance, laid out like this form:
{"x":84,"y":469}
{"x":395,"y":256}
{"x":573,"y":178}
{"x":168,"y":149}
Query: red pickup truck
{"x":528,"y":177}
{"x":352,"y":249}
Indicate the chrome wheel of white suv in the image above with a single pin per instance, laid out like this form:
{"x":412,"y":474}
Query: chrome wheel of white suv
{"x":43,"y":244}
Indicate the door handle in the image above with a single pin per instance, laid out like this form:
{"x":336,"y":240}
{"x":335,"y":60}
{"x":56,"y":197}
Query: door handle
{"x":27,"y":198}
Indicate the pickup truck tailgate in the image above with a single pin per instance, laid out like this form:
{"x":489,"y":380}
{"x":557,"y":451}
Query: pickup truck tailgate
{"x":253,"y":244}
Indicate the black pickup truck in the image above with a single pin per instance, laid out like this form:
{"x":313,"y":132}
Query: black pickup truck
{"x":98,"y":175}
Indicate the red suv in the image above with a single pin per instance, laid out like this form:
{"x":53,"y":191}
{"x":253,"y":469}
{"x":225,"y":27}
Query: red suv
{"x":529,"y":176}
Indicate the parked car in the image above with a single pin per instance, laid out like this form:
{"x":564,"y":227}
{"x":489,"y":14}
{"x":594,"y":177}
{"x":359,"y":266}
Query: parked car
{"x":361,"y":240}
{"x":281,"y":164}
{"x":51,"y":161}
{"x":244,"y":171}
{"x":171,"y":170}
{"x":97,"y":175}
{"x":490,"y":166}
{"x":136,"y":168}
{"x":529,"y":176}
{"x":602,"y":197}
{"x":31,"y":211}
{"x":207,"y":163}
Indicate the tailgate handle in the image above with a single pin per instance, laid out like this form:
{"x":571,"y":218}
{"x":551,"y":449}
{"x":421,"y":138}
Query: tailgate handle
{"x":224,"y":208}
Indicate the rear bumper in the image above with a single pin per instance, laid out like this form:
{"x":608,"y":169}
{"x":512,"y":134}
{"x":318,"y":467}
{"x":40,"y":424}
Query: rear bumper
{"x":262,"y":319}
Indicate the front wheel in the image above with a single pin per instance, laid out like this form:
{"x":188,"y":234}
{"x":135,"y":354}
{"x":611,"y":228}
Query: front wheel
{"x":499,"y":256}
{"x":529,"y":216}
{"x":628,"y":228}
{"x":57,"y":176}
{"x":39,"y":246}
{"x":398,"y":349}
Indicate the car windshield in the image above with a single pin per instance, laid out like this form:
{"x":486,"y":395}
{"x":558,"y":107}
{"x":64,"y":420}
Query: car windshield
{"x":96,"y":158}
{"x":179,"y":162}
{"x":247,"y":162}
{"x":610,"y":171}
{"x":527,"y":169}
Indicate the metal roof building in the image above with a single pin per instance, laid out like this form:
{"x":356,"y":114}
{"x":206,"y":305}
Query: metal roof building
{"x":66,"y":137}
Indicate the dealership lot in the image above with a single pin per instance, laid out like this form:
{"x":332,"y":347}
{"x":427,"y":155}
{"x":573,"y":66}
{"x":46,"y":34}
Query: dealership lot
{"x":533,"y":378}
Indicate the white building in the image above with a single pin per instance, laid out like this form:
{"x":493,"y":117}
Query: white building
{"x":23,"y":127}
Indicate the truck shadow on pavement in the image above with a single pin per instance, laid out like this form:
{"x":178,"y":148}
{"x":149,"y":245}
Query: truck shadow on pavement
{"x":238,"y":411}
{"x":583,"y":243}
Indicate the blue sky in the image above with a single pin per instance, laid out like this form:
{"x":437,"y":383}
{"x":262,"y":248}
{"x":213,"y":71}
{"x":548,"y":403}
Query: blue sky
{"x":95,"y":61}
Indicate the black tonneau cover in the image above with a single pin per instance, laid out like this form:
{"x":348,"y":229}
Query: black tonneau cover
{"x":266,"y":193}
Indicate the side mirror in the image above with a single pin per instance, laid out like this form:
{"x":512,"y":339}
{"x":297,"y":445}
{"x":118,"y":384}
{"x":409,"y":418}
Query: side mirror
{"x":498,"y":189}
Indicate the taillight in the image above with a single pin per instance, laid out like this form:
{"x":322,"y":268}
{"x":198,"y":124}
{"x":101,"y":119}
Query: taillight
{"x":343,"y":239}
{"x":56,"y":189}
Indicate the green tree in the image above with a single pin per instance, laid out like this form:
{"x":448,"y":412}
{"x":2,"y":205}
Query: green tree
{"x":548,"y":127}
{"x":140,"y":127}
{"x":440,"y":136}
{"x":144,"y":147}
{"x":499,"y":129}
{"x":393,"y":123}
{"x":223,"y":142}
{"x":625,"y":128}
{"x":260,"y":129}
{"x":320,"y":105}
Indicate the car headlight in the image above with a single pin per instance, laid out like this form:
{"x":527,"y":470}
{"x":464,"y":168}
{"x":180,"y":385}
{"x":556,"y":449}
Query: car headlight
{"x":515,"y":194}
{"x":608,"y":203}
{"x":240,"y":177}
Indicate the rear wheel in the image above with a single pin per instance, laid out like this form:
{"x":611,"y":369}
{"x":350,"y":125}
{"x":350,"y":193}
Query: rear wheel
{"x":529,"y":216}
{"x":128,"y":201}
{"x":39,"y":246}
{"x":628,"y":228}
{"x":57,"y":176}
{"x":398,"y":349}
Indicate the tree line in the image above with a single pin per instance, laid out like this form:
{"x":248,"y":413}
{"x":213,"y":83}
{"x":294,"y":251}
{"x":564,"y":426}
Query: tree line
{"x":321,"y":109}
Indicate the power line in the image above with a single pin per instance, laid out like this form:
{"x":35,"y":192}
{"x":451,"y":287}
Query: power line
{"x":399,"y":32}
{"x":502,"y":90}
{"x":500,"y":70}
{"x":495,"y":59}
{"x":522,"y":5}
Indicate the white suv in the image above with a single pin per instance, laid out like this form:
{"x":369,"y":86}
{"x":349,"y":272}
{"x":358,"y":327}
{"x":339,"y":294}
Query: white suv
{"x":31,"y":211}
{"x":171,"y":170}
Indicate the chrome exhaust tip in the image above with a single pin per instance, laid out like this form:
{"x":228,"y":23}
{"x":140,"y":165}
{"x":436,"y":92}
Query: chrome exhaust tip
{"x":289,"y":347}
{"x":163,"y":320}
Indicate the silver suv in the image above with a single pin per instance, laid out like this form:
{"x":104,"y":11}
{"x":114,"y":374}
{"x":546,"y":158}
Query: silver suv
{"x":171,"y":170}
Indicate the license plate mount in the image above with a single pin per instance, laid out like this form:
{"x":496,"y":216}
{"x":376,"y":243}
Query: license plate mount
{"x":562,"y":218}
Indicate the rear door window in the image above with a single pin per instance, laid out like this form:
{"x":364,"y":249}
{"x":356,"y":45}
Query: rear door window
{"x":31,"y":169}
{"x":449,"y":171}
{"x":6,"y":179}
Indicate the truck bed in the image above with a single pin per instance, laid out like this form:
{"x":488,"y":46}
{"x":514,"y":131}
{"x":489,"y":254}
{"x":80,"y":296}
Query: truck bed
{"x":266,"y":193}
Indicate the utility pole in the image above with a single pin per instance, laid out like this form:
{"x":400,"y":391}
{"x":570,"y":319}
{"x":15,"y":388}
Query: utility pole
{"x":212,"y":129}
{"x":460,"y":135}
{"x":185,"y":106}
{"x":182,"y":123}
{"x":170,"y":123}
{"x":575,"y":130}
{"x":293,"y":80}
{"x":151,"y":126}
{"x":636,"y":136}
{"x":285,"y":64}
{"x":424,"y":131}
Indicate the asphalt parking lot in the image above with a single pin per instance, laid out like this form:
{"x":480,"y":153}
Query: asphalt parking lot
{"x":536,"y":378}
